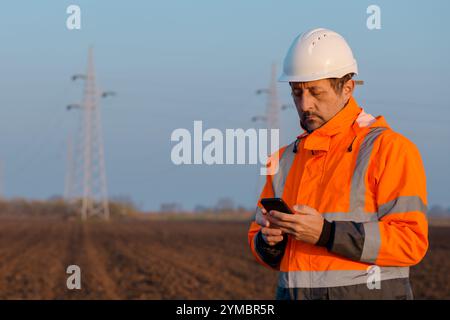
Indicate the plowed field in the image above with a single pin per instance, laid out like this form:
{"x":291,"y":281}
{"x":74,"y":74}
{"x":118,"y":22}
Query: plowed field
{"x":138,"y":259}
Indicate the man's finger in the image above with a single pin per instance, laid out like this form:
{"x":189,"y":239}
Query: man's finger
{"x":271,"y":231}
{"x":281,"y":216}
{"x":281,"y":224}
{"x":288,"y":230}
{"x":272,"y":240}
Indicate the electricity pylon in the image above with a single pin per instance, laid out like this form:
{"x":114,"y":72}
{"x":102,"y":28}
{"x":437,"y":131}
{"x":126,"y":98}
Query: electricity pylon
{"x":69,"y":184}
{"x":271,"y":115}
{"x":88,"y":169}
{"x":273,"y":105}
{"x":1,"y":182}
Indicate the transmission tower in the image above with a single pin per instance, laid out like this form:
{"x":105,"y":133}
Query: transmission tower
{"x":273,"y":105}
{"x":271,"y":115}
{"x":1,"y":182}
{"x":86,"y":168}
{"x":69,"y":184}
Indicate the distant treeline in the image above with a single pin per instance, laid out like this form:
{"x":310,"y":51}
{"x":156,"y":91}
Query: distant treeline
{"x":58,"y":208}
{"x":439,"y":212}
{"x":223,"y":205}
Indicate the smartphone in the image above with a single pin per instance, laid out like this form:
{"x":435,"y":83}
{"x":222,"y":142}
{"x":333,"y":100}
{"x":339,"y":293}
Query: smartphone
{"x":275,"y":204}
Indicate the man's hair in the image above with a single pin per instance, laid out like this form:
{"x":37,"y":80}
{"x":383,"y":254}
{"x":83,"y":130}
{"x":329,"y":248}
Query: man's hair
{"x":338,"y":83}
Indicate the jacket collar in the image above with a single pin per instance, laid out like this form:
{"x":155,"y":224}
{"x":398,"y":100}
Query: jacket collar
{"x":320,"y":138}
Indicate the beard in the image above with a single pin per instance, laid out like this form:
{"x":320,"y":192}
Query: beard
{"x":309,"y":125}
{"x":304,"y":127}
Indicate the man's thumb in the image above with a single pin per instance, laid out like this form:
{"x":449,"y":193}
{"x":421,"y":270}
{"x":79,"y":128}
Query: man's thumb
{"x":261,"y":220}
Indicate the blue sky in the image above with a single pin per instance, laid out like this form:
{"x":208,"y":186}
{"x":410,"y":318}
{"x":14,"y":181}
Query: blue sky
{"x":173,"y":62}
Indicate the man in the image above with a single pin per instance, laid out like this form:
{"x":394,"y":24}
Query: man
{"x":357,"y":189}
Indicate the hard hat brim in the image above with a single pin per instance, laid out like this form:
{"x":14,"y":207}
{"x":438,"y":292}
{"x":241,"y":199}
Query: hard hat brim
{"x":339,"y":73}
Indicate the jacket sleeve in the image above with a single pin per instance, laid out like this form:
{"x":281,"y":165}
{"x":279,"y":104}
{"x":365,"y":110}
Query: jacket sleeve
{"x":400,"y":236}
{"x":268,"y":256}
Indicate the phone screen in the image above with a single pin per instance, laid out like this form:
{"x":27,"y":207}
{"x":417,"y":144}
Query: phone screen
{"x":275,"y":204}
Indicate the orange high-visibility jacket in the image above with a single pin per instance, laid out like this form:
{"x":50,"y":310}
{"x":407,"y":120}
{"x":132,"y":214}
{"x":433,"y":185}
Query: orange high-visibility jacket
{"x":366,"y":179}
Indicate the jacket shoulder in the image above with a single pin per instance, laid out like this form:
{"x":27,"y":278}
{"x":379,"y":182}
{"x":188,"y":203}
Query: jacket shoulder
{"x":392,"y":139}
{"x":394,"y":144}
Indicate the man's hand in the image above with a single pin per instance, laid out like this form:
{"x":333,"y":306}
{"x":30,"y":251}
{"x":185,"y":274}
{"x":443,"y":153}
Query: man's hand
{"x":270,"y":234}
{"x":305,"y":226}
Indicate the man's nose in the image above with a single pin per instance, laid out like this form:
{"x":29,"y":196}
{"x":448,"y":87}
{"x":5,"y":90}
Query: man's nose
{"x":305,"y":103}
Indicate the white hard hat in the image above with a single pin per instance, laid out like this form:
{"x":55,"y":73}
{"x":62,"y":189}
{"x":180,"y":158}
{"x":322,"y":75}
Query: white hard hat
{"x":318,"y":54}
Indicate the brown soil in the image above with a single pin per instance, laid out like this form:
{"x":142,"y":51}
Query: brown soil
{"x":159,"y":260}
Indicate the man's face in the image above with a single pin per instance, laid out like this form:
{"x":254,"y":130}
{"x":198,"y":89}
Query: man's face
{"x":317,"y":102}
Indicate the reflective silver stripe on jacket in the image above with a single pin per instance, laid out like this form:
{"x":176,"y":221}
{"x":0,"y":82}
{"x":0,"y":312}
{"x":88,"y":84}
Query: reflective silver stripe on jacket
{"x":358,"y":185}
{"x":285,"y":163}
{"x":336,"y":278}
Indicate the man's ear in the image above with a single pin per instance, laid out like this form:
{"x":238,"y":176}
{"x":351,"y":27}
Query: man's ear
{"x":348,"y":88}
